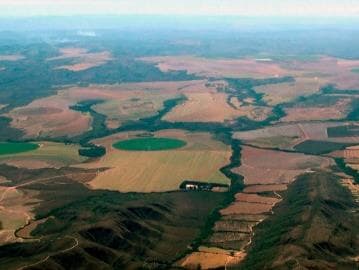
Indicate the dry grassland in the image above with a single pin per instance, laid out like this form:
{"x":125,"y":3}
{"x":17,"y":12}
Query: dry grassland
{"x":16,"y":208}
{"x":143,"y":171}
{"x":84,"y":60}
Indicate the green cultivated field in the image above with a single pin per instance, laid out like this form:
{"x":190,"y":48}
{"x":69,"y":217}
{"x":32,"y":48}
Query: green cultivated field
{"x":319,"y":147}
{"x":149,"y":144}
{"x":7,"y":148}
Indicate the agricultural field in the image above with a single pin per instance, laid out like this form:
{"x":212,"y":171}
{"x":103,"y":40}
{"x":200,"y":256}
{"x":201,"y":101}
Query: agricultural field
{"x":134,"y":149}
{"x":149,"y":144}
{"x":200,"y":160}
{"x":261,"y":166}
{"x":81,"y":58}
{"x":285,"y":92}
{"x":337,"y":111}
{"x":218,"y":68}
{"x":7,"y":148}
{"x":213,"y":107}
{"x":319,"y":147}
{"x":50,"y":117}
{"x":287,"y":136}
{"x":47,"y":155}
{"x":324,"y":70}
{"x":53,"y":117}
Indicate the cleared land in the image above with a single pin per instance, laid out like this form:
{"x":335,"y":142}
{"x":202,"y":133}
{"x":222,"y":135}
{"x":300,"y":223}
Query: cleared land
{"x":144,"y":171}
{"x":212,"y":106}
{"x":217,"y":67}
{"x":246,"y":208}
{"x":285,"y":92}
{"x":49,"y":154}
{"x":261,"y":166}
{"x":331,"y":112}
{"x":286,"y":136}
{"x":82,"y":58}
{"x":264,"y":188}
{"x":210,"y":259}
{"x":50,"y":117}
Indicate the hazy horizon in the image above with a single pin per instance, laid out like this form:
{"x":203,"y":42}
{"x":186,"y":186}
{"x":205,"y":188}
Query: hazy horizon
{"x":256,"y":8}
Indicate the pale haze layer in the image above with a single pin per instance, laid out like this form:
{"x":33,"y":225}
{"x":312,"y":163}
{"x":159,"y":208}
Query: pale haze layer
{"x":323,"y":8}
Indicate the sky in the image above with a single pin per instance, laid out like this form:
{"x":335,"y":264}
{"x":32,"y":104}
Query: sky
{"x":284,"y":8}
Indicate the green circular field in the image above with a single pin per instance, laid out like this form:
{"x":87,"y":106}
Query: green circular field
{"x":8,"y":148}
{"x":149,"y":144}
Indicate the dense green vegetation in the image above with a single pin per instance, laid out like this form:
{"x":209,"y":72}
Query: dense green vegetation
{"x":343,"y":131}
{"x":346,"y":169}
{"x":149,"y":144}
{"x":354,"y":113}
{"x":8,"y":148}
{"x":7,"y":132}
{"x":93,"y":151}
{"x":315,"y":100}
{"x":319,"y":147}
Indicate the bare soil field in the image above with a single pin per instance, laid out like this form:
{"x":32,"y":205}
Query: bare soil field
{"x":154,"y":171}
{"x":237,"y":68}
{"x":213,"y":107}
{"x":210,"y":260}
{"x":11,"y":57}
{"x":48,"y":155}
{"x":83,"y":59}
{"x":329,"y":69}
{"x":255,"y":198}
{"x":286,"y":136}
{"x":49,"y":117}
{"x":239,"y":207}
{"x":261,"y":166}
{"x":284,"y":92}
{"x":335,"y":112}
{"x":264,"y":188}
